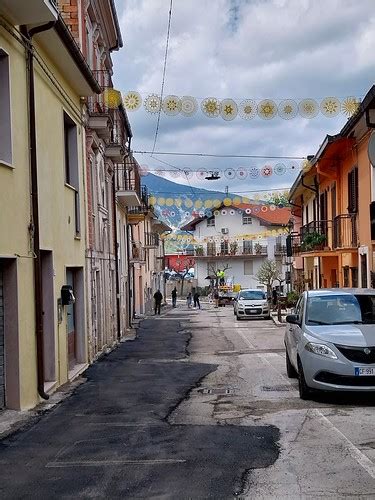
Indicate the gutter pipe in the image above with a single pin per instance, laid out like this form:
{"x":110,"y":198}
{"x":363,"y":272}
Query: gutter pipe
{"x":35,"y":205}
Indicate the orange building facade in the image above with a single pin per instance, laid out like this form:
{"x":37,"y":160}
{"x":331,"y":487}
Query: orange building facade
{"x":333,"y":197}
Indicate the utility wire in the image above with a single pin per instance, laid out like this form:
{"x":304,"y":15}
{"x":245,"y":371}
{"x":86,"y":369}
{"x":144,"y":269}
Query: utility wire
{"x":272,"y":157}
{"x":163,"y":79}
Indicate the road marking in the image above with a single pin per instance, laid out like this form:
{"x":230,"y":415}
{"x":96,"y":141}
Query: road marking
{"x":101,"y":463}
{"x":247,"y":341}
{"x":355,"y":452}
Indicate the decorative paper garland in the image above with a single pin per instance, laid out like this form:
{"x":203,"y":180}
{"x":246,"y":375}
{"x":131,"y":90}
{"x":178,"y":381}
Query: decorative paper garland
{"x":228,"y":109}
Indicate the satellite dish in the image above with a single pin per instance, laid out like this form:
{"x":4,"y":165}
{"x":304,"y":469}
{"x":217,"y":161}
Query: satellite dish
{"x":371,"y":148}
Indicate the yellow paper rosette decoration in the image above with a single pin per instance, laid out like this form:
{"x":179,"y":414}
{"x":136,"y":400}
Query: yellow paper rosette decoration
{"x":112,"y":98}
{"x":308,"y":108}
{"x":288,"y":109}
{"x":211,"y":107}
{"x":267,"y":109}
{"x":152,"y":103}
{"x":229,"y":109}
{"x":306,"y":166}
{"x":350,"y":106}
{"x":171,"y":105}
{"x":132,"y":100}
{"x":248,"y":109}
{"x":330,"y":107}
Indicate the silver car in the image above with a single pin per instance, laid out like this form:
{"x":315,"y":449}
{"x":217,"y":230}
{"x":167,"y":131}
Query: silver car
{"x":251,"y":303}
{"x":330,"y":341}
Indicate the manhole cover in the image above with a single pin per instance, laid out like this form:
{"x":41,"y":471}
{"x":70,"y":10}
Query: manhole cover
{"x":277,"y":388}
{"x":219,"y":391}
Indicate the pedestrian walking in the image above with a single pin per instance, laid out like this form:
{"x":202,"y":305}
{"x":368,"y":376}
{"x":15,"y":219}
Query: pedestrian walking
{"x":189,"y":300}
{"x":174,"y":297}
{"x":216,"y":297}
{"x":158,"y":297}
{"x":196,"y":300}
{"x":274,"y":298}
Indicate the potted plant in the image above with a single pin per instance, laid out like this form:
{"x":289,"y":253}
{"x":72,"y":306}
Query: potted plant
{"x":233,"y":247}
{"x":258,"y":248}
{"x":313,"y":241}
{"x":199,"y":250}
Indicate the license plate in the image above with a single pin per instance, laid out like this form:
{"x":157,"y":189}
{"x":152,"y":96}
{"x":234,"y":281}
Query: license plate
{"x":364,"y":372}
{"x":253,"y":311}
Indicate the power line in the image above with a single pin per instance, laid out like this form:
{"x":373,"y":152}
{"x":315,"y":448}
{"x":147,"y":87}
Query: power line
{"x":163,"y":79}
{"x":272,"y":157}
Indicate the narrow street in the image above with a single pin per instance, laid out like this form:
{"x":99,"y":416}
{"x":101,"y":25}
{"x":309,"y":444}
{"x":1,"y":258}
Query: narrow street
{"x":197,"y":406}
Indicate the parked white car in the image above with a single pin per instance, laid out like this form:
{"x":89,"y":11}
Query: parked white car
{"x":251,"y":303}
{"x":330,"y":341}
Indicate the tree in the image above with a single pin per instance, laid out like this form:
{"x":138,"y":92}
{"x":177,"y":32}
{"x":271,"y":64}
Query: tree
{"x":279,"y":199}
{"x":268,"y":273}
{"x":213,"y":268}
{"x":183,"y":267}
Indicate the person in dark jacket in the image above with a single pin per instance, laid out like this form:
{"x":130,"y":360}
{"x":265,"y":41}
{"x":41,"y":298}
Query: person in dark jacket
{"x":174,"y":297}
{"x":158,"y":297}
{"x":196,"y":300}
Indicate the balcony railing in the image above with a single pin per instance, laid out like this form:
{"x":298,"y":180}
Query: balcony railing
{"x":151,"y":240}
{"x":280,"y":249}
{"x":345,"y":232}
{"x":100,"y":103}
{"x":137,"y":252}
{"x":223,"y":250}
{"x":316,"y":235}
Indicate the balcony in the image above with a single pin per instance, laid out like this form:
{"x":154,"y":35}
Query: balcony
{"x":345,"y":232}
{"x":128,"y":185}
{"x":316,"y":235}
{"x":151,"y":240}
{"x":279,"y":250}
{"x":232,"y":250}
{"x":100,"y":114}
{"x":30,"y":12}
{"x":137,"y":253}
{"x":116,"y":148}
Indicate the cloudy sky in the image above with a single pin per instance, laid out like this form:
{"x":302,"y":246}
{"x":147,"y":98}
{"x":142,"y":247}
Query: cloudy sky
{"x":243,"y":49}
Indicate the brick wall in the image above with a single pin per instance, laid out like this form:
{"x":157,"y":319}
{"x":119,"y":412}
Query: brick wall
{"x":69,"y":12}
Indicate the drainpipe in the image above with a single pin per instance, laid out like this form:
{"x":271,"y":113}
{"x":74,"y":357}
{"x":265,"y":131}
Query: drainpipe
{"x":35,"y":204}
{"x":118,"y":309}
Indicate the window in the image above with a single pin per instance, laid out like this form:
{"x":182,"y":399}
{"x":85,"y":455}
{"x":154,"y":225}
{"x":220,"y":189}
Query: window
{"x":211,"y":222}
{"x":248,"y":267}
{"x":353,"y":191}
{"x":5,"y":116}
{"x":248,"y":247}
{"x":71,"y":165}
{"x":211,"y":248}
{"x":246,"y":219}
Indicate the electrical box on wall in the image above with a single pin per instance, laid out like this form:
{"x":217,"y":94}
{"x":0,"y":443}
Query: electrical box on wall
{"x":67,"y":296}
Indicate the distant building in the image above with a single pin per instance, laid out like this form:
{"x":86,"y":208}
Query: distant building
{"x":238,"y":239}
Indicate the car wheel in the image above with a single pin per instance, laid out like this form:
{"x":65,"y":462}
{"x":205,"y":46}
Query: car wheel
{"x":304,"y":390}
{"x":234,"y":311}
{"x":237,"y":317}
{"x":267,"y":317}
{"x":290,"y":370}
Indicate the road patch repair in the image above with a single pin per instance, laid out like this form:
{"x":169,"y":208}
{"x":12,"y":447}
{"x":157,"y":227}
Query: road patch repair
{"x":112,"y":437}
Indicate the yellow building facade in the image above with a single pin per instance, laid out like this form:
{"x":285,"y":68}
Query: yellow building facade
{"x":42,"y":199}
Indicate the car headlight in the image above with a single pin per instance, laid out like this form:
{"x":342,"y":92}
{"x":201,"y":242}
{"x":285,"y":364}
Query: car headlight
{"x":321,"y":350}
{"x":241,"y":306}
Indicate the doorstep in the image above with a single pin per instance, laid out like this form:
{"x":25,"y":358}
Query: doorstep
{"x":77,"y":370}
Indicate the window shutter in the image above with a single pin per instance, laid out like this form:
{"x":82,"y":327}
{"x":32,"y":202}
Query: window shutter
{"x":353,"y":191}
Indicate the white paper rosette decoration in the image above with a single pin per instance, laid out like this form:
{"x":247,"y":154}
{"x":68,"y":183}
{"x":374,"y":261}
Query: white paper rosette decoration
{"x":202,"y":174}
{"x":308,"y":108}
{"x":230,"y":173}
{"x":211,"y":107}
{"x":279,"y":169}
{"x":350,"y":106}
{"x":241,"y":173}
{"x":143,"y":170}
{"x":229,"y":109}
{"x":132,"y":100}
{"x":254,"y":172}
{"x":267,"y":109}
{"x":288,"y":109}
{"x":188,"y":173}
{"x":330,"y":107}
{"x":171,"y":105}
{"x":189,"y":105}
{"x":248,"y":109}
{"x":152,"y":103}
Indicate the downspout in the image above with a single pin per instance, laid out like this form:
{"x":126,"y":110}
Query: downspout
{"x":131,"y":288}
{"x":116,"y":258}
{"x":35,"y":204}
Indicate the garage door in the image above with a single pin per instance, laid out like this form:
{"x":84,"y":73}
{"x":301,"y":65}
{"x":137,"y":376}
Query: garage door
{"x":2,"y":381}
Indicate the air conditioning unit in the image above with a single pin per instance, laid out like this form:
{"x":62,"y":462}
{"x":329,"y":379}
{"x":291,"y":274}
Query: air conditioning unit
{"x":224,"y":230}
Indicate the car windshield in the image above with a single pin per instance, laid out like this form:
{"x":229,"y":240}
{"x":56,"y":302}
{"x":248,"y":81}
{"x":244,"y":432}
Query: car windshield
{"x":340,"y":309}
{"x":252,"y":295}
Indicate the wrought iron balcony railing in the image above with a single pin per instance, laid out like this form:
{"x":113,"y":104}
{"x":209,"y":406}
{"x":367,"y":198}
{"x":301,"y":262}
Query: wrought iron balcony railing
{"x":220,"y":250}
{"x":345,"y":232}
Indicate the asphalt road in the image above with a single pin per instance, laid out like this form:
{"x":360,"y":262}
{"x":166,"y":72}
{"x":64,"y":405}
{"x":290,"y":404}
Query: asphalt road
{"x":116,"y":436}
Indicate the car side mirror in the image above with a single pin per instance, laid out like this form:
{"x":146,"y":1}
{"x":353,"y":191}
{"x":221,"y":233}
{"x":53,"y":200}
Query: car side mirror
{"x":292,"y":319}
